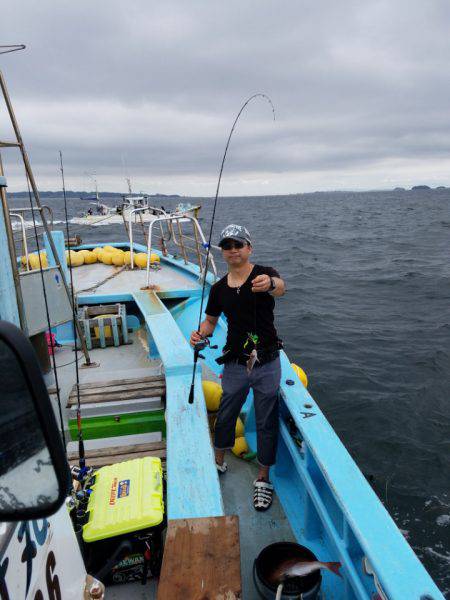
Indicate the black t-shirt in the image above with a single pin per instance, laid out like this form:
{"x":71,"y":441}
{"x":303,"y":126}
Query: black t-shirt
{"x":246,"y":311}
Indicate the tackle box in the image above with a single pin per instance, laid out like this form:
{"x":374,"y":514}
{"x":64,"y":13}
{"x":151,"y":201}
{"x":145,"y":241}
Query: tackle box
{"x":124,"y":520}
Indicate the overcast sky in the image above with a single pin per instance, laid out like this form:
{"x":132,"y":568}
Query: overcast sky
{"x":361,"y":92}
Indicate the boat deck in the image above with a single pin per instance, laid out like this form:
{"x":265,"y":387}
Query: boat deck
{"x":257,"y":529}
{"x":106,"y":280}
{"x":109,"y":363}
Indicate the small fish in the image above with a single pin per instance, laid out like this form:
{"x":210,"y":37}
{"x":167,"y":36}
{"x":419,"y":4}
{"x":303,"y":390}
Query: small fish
{"x":300,"y":568}
{"x":251,"y":361}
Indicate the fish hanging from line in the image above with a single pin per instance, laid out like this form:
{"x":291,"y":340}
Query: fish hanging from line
{"x":252,"y":360}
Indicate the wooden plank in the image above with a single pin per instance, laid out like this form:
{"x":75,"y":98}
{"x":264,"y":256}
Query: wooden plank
{"x":114,"y":397}
{"x":102,"y":309}
{"x":201,"y":560}
{"x":118,"y":388}
{"x":113,"y":382}
{"x":103,"y":461}
{"x":116,"y":450}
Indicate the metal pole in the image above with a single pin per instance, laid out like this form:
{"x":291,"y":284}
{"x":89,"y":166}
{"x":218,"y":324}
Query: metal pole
{"x":12,"y":254}
{"x":38,"y":202}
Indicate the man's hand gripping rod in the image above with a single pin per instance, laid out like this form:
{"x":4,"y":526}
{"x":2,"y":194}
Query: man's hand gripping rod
{"x":198,"y":347}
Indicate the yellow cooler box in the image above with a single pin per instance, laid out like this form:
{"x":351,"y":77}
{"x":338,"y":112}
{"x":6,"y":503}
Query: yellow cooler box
{"x":124,"y":520}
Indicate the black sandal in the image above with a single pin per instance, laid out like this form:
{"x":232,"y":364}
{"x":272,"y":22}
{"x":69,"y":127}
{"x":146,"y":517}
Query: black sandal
{"x":263,"y":494}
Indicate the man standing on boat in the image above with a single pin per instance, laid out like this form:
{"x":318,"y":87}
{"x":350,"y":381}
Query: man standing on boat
{"x":251,"y":354}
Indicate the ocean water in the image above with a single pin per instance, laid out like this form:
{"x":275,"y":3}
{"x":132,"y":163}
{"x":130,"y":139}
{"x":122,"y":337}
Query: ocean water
{"x":367,"y":315}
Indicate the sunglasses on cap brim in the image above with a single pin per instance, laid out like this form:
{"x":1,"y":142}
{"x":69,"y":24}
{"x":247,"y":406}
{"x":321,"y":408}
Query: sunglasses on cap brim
{"x":232,"y":244}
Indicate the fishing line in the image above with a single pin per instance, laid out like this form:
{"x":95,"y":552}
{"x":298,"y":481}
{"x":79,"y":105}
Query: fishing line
{"x":197,"y":348}
{"x":81,"y":455}
{"x":5,"y":49}
{"x":47,"y":313}
{"x":69,"y":363}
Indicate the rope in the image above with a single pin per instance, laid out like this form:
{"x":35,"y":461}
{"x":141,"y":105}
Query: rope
{"x":97,"y":285}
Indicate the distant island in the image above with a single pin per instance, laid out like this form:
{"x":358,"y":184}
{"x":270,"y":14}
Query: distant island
{"x":421,"y":187}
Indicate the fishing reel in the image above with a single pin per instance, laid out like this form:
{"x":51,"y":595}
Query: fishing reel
{"x":198,"y":347}
{"x":81,"y":474}
{"x":201,"y":345}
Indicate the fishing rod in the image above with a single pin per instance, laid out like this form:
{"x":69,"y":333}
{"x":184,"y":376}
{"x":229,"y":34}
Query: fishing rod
{"x":47,"y":310}
{"x":199,"y":346}
{"x":82,"y":460}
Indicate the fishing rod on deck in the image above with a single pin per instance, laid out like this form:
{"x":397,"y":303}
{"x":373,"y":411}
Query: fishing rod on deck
{"x":83,"y":470}
{"x":204,"y":343}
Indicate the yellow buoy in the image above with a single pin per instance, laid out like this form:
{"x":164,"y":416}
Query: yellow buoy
{"x":118,"y":259}
{"x":23,"y":260}
{"x":84,"y":253}
{"x":213,"y":394}
{"x":127,"y":258}
{"x":239,"y":428}
{"x":240,"y":447}
{"x":90,"y":258}
{"x":106,"y":257}
{"x":97,"y":251}
{"x":154,"y":258}
{"x":301,"y":374}
{"x":33,"y":260}
{"x":140,"y":260}
{"x":109,"y":248}
{"x":75,"y":259}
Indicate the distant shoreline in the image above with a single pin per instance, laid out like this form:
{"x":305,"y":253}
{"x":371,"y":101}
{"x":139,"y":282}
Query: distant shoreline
{"x":104,"y":195}
{"x":82,"y":195}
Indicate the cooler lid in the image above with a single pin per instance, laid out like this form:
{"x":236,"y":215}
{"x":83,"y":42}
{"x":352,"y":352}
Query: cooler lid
{"x":126,"y":497}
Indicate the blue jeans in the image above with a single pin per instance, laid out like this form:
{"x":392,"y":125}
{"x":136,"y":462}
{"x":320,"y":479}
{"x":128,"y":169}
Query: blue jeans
{"x":236,"y":383}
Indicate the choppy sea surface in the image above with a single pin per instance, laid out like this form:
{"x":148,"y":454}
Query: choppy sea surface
{"x":367,"y":315}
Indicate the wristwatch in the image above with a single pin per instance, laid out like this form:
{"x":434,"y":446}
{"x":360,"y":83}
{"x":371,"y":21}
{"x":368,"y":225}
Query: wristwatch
{"x":272,"y":284}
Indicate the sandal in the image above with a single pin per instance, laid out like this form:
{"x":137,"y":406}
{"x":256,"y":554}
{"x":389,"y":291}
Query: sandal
{"x":221,"y":468}
{"x":262,"y":495}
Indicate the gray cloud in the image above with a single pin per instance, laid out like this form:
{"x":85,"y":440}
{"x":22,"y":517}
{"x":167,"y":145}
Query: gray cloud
{"x":361,"y":92}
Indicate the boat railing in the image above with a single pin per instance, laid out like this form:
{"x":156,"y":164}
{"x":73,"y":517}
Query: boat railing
{"x":200,"y":244}
{"x":35,"y":209}
{"x":26,"y":231}
{"x":24,"y":236}
{"x":199,"y":248}
{"x":172,"y":229}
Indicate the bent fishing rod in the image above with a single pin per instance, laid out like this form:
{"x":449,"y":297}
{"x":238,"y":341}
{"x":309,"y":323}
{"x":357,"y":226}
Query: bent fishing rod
{"x":199,"y":346}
